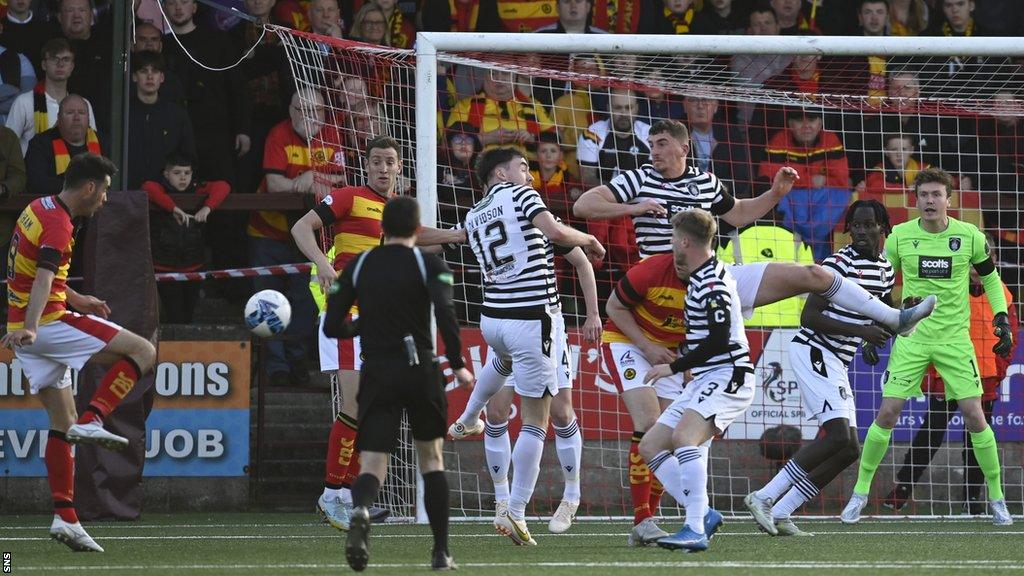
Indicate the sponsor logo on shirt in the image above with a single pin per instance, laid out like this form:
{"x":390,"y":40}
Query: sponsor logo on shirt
{"x":935,"y":267}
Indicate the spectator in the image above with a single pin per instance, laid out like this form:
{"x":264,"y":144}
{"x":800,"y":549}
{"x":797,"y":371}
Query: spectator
{"x":457,"y":192}
{"x":790,"y":17}
{"x":325,"y":18}
{"x":616,"y":144}
{"x":525,"y":15}
{"x":16,"y":77}
{"x":501,"y":116}
{"x":363,"y":120}
{"x":945,"y":141}
{"x":148,"y":12}
{"x":148,"y":38}
{"x":400,"y":32}
{"x":821,"y":194}
{"x":92,"y":48}
{"x":608,"y":147}
{"x":676,"y":17}
{"x":12,"y":183}
{"x":956,"y":18}
{"x":573,"y":111}
{"x":460,"y":16}
{"x":803,"y":76}
{"x":655,"y":104}
{"x":177,"y":237}
{"x":861,"y":74}
{"x":907,"y":17}
{"x":23,"y":32}
{"x":718,"y":147}
{"x":758,"y":68}
{"x":292,"y":13}
{"x":156,"y":129}
{"x":216,"y":101}
{"x":49,"y":152}
{"x":35,"y":111}
{"x":720,"y":17}
{"x":896,"y":172}
{"x":269,"y":86}
{"x":456,"y":181}
{"x":294,"y":160}
{"x":370,"y":25}
{"x":552,"y":178}
{"x":574,"y":17}
{"x":1000,"y":17}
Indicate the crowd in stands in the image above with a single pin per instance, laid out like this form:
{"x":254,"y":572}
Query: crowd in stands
{"x":244,"y":129}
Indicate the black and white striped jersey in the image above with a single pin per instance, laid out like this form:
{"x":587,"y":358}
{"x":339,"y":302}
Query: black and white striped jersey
{"x":712,"y":299}
{"x":516,"y":258}
{"x":694,"y":189}
{"x":874,"y":275}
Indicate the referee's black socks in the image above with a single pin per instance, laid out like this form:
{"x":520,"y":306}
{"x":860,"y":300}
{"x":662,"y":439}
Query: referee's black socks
{"x":435,"y":501}
{"x":364,"y":490}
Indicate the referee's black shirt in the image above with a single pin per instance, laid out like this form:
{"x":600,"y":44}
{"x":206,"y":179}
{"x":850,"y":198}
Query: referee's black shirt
{"x":394,"y":301}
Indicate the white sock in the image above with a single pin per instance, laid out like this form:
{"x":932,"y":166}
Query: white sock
{"x":695,"y":486}
{"x":569,"y":445}
{"x":853,"y":297}
{"x":332,"y":493}
{"x":489,"y":381}
{"x":705,"y":454}
{"x":526,"y":460}
{"x":498,"y":451}
{"x":782,"y":482}
{"x":666,"y":470}
{"x":501,"y":491}
{"x":794,"y":499}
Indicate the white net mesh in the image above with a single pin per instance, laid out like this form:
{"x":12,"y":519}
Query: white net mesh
{"x":855,"y":127}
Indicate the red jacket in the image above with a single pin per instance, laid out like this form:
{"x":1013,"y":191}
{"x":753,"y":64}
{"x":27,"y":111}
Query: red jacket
{"x":827,"y":157}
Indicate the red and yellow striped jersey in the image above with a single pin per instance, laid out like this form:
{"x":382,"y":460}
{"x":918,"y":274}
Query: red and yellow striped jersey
{"x":287,"y":154}
{"x":655,"y":296}
{"x":43,"y":238}
{"x":355,"y":212}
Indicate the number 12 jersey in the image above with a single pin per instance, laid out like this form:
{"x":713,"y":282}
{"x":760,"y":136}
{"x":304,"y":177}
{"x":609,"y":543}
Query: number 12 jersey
{"x":516,"y":258}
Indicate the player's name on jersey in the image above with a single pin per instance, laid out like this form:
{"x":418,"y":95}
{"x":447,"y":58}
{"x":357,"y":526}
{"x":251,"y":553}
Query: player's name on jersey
{"x":482,"y":215}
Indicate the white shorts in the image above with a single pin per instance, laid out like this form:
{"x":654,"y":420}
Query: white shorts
{"x":566,"y":371}
{"x":63,"y":345}
{"x":627,"y":366}
{"x":534,"y":347}
{"x":332,"y":349}
{"x":824,"y":383}
{"x":748,"y":280}
{"x":722,"y":394}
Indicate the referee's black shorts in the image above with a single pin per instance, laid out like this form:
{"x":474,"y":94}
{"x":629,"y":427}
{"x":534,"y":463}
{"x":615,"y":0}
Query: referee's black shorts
{"x":388,"y":386}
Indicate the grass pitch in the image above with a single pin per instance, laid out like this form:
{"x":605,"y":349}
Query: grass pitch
{"x":284,"y":544}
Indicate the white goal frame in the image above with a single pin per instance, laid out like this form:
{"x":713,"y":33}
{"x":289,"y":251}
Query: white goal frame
{"x":428,"y":44}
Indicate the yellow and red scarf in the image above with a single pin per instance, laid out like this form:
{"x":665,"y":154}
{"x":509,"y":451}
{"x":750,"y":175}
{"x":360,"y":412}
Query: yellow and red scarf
{"x":39,"y":113}
{"x":61,"y":156}
{"x":681,"y":24}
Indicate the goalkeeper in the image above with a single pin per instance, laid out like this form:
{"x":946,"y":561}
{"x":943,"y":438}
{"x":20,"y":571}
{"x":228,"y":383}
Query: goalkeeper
{"x":935,"y":254}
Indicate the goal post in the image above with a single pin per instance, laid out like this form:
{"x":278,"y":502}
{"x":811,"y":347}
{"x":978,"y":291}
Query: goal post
{"x":952,"y":102}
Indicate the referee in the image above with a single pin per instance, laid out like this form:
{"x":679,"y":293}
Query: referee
{"x":396,"y":285}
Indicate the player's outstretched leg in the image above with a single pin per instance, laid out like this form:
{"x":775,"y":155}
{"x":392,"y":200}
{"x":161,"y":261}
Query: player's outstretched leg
{"x":783,"y":280}
{"x":131,"y":356}
{"x":569,"y":447}
{"x":492,"y":377}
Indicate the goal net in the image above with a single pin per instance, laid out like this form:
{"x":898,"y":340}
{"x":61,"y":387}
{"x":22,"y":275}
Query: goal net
{"x":857,"y":117}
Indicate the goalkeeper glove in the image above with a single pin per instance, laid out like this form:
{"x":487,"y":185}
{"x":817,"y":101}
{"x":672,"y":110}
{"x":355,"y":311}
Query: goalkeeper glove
{"x":1002,"y":330}
{"x":870,"y":353}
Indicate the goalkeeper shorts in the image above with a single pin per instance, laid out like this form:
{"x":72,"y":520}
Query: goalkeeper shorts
{"x":953,"y":359}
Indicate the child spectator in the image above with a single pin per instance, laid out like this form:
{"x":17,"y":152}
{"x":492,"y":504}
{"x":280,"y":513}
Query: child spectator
{"x":177,"y":238}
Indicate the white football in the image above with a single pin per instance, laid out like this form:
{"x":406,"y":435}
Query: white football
{"x":267,"y":313}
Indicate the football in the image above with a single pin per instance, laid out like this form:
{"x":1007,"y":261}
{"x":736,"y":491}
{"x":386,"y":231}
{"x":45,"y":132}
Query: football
{"x":267,"y":313}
